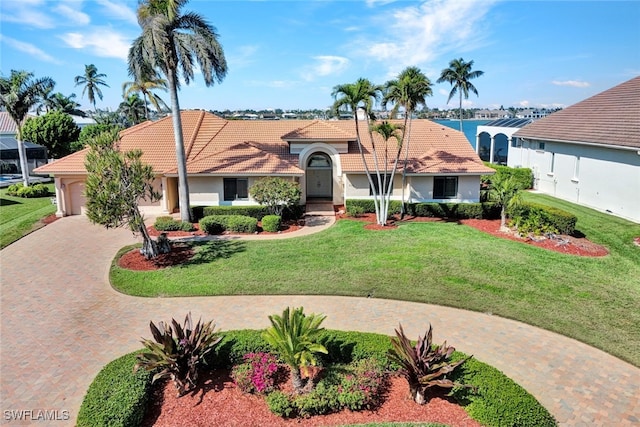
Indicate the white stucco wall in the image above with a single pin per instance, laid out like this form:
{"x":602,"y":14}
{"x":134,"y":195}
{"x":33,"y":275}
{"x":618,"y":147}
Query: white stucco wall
{"x":606,"y":179}
{"x":421,"y":189}
{"x":209,"y":191}
{"x":357,"y":186}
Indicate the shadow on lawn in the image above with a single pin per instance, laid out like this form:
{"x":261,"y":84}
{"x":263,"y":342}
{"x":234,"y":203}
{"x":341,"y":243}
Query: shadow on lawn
{"x":209,"y":251}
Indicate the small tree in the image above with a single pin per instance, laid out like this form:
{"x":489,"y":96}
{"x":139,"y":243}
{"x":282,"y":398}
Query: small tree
{"x":116,"y":183}
{"x":55,"y":130}
{"x":276,"y":194}
{"x":505,"y":191}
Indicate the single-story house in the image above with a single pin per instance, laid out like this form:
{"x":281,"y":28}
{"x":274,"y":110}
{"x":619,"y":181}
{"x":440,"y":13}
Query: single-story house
{"x":588,"y":153}
{"x":225,"y":158}
{"x":9,"y":155}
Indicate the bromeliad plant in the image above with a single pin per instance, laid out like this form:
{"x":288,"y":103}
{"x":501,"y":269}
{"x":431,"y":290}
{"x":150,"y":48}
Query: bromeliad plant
{"x":294,"y":336}
{"x":423,"y":365}
{"x":178,"y":351}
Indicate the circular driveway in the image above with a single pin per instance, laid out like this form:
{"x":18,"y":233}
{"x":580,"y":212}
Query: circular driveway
{"x":61,"y":323}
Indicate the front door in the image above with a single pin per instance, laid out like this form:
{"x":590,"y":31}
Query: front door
{"x":319,"y":176}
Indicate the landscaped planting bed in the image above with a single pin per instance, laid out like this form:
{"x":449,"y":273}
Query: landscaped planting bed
{"x":119,"y":397}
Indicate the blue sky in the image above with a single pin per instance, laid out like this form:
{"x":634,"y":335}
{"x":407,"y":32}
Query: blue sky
{"x":290,"y":54}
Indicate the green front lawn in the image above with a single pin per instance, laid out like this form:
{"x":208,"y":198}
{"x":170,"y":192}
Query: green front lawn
{"x":594,"y":300}
{"x":18,"y":215}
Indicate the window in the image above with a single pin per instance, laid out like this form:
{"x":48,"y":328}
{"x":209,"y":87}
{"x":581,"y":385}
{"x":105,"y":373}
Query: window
{"x":541,"y":146}
{"x":319,"y":160}
{"x":236,"y":189}
{"x":445,"y":187}
{"x":385,"y":178}
{"x":576,"y":170}
{"x":553,"y":163}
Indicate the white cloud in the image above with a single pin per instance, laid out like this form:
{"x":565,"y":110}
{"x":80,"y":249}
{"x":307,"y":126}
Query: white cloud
{"x":28,"y":13}
{"x":372,"y":3}
{"x":242,"y":57}
{"x":100,"y":41}
{"x":325,"y":65}
{"x":418,"y":34}
{"x":119,"y":10}
{"x":71,"y":11}
{"x":29,"y":49}
{"x":524,"y":103}
{"x":571,"y":83}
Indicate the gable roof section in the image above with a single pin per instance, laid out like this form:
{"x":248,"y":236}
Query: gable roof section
{"x":611,"y":117}
{"x":219,"y":147}
{"x":319,"y":131}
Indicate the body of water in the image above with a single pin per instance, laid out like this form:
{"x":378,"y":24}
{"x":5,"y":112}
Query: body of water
{"x":469,"y":127}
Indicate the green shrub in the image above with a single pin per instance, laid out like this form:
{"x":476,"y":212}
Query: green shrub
{"x":540,"y":218}
{"x":293,"y":212}
{"x":522,"y":176}
{"x":32,"y":191}
{"x":271,"y":223}
{"x":256,"y":212}
{"x":197,"y":213}
{"x":216,"y":224}
{"x":280,"y":404}
{"x":117,"y":396}
{"x":234,"y":345}
{"x":258,"y":373}
{"x":497,"y":400}
{"x":167,"y":223}
{"x":368,"y":206}
{"x":212,"y":224}
{"x":487,"y":210}
{"x":347,"y":347}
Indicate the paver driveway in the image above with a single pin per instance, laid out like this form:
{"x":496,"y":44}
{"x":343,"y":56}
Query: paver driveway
{"x":61,"y":322}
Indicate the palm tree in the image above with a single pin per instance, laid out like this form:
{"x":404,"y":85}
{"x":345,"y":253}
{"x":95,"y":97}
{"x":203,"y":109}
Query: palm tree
{"x":294,"y":336}
{"x":144,"y":85}
{"x":408,"y":91}
{"x":388,"y":131}
{"x":354,"y":96}
{"x":19,"y":93}
{"x":171,"y":42}
{"x":134,"y":109}
{"x":504,"y":190}
{"x":92,"y":80}
{"x":64,"y":103}
{"x":458,"y":74}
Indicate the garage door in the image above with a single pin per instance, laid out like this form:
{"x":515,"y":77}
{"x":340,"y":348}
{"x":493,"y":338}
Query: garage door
{"x":76,"y":198}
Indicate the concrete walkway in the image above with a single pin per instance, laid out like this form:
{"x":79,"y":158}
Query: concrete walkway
{"x":61,"y":323}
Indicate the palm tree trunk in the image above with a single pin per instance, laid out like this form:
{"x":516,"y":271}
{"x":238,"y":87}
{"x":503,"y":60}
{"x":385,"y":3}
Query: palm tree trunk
{"x":407,"y":128}
{"x":183,"y":185}
{"x":149,"y":247}
{"x":22,"y":155}
{"x":364,"y":161}
{"x":460,"y":110}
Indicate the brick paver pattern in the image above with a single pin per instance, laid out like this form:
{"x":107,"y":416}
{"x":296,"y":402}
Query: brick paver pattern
{"x":61,"y":323}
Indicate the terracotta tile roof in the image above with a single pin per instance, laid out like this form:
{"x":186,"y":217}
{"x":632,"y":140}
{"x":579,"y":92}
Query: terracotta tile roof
{"x":319,"y":131}
{"x":216,"y":146}
{"x":611,"y":117}
{"x":7,"y":125}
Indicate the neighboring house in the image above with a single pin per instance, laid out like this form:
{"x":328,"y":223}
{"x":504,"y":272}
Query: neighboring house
{"x":532,"y":114}
{"x":588,"y":153}
{"x":9,"y":156}
{"x":492,"y":114}
{"x":225,"y":158}
{"x":493,"y":139}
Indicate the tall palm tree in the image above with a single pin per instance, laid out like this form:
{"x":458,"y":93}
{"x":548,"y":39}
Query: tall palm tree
{"x":92,"y":80}
{"x":458,"y":74}
{"x":354,"y":96}
{"x":66,"y":104}
{"x":18,"y":93}
{"x":408,"y":91}
{"x":145,"y":85}
{"x":171,"y":42}
{"x":134,"y":109}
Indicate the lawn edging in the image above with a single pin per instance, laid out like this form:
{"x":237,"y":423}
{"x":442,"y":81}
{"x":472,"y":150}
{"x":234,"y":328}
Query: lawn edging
{"x":118,"y":397}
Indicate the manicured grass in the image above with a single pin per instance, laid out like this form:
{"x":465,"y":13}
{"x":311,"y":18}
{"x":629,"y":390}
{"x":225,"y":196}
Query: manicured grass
{"x":594,"y":300}
{"x":19,"y":215}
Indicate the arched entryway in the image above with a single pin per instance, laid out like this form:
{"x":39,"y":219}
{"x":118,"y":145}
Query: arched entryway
{"x":319,"y":176}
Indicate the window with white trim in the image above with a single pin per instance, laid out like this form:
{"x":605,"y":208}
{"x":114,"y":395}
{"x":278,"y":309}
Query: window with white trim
{"x":445,"y":187}
{"x":386,"y":179}
{"x":236,"y":189}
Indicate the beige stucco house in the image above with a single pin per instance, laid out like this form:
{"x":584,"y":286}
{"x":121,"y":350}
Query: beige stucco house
{"x":225,"y":158}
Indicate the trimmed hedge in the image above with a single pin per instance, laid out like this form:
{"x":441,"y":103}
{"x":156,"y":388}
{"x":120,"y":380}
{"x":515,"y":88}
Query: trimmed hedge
{"x":32,"y":191}
{"x":256,"y":212}
{"x":117,"y":396}
{"x":546,"y":216}
{"x":487,"y":210}
{"x":216,"y":224}
{"x":523,"y":176}
{"x":167,"y":223}
{"x":271,"y":223}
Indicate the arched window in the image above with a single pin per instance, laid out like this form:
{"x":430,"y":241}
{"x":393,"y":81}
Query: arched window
{"x":319,"y":160}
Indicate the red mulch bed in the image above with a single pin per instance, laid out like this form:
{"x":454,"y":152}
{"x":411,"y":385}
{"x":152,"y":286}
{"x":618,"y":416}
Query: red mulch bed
{"x":219,"y":403}
{"x":133,"y":260}
{"x":286,"y":227}
{"x":49,"y":219}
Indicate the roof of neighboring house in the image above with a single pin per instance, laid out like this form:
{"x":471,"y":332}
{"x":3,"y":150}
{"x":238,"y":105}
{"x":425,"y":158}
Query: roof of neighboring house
{"x":611,"y":117}
{"x":7,"y":125}
{"x":217,"y":146}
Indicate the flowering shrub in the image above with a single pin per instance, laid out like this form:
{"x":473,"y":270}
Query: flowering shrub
{"x":258,"y":373}
{"x":361,"y":388}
